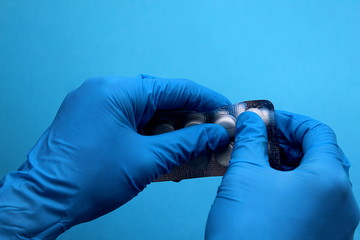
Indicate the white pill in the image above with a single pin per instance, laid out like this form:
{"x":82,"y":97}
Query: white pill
{"x":228,"y":122}
{"x":193,"y":122}
{"x":223,"y":157}
{"x":163,"y":128}
{"x":262,"y":112}
{"x":239,"y":108}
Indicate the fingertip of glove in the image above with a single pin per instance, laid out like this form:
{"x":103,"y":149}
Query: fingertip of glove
{"x":249,"y":125}
{"x":250,"y":140}
{"x":249,"y":119}
{"x":216,"y":135}
{"x":221,"y":100}
{"x":211,"y":101}
{"x":217,"y":130}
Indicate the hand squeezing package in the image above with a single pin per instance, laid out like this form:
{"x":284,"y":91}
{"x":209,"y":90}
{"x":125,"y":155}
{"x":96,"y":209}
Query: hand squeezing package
{"x":214,"y":164}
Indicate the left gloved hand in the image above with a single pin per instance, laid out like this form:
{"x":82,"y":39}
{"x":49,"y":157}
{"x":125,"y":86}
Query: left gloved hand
{"x":91,"y":160}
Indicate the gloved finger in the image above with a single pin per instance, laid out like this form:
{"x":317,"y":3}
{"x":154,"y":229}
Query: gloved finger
{"x":317,"y":140}
{"x":251,"y":141}
{"x":177,"y":147}
{"x":183,"y":94}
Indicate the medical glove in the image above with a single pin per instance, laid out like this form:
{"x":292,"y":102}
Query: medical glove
{"x":92,"y":160}
{"x":257,"y":202}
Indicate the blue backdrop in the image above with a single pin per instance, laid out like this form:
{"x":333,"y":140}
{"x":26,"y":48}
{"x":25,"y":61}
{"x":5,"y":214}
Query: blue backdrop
{"x":302,"y":55}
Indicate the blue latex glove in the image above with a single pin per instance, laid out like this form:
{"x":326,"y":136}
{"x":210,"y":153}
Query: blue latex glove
{"x":91,"y":160}
{"x":313,"y":201}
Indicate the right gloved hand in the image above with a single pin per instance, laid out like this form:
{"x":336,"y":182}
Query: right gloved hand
{"x":313,"y":201}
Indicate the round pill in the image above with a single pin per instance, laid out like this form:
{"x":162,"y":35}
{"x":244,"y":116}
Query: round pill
{"x":200,"y":162}
{"x":193,"y":122}
{"x":239,"y":108}
{"x":163,"y":128}
{"x":228,"y":122}
{"x":262,"y":112}
{"x":223,"y":157}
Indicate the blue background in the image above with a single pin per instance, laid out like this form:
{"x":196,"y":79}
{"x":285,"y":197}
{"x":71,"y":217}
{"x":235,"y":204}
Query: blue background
{"x":302,"y":55}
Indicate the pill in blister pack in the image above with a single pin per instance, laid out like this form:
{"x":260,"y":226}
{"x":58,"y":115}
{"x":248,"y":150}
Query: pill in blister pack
{"x":214,"y":164}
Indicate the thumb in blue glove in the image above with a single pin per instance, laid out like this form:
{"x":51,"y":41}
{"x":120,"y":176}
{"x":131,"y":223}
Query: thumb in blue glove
{"x":91,"y":160}
{"x":313,"y":201}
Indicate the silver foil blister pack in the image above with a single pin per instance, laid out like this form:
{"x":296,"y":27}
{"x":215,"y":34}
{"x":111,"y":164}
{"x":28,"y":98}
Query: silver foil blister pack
{"x":214,"y":164}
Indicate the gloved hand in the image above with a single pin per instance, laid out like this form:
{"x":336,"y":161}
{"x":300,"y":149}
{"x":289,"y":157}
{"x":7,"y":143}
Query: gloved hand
{"x":91,"y":160}
{"x":313,"y":201}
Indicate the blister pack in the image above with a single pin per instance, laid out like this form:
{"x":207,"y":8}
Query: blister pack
{"x":214,"y":164}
